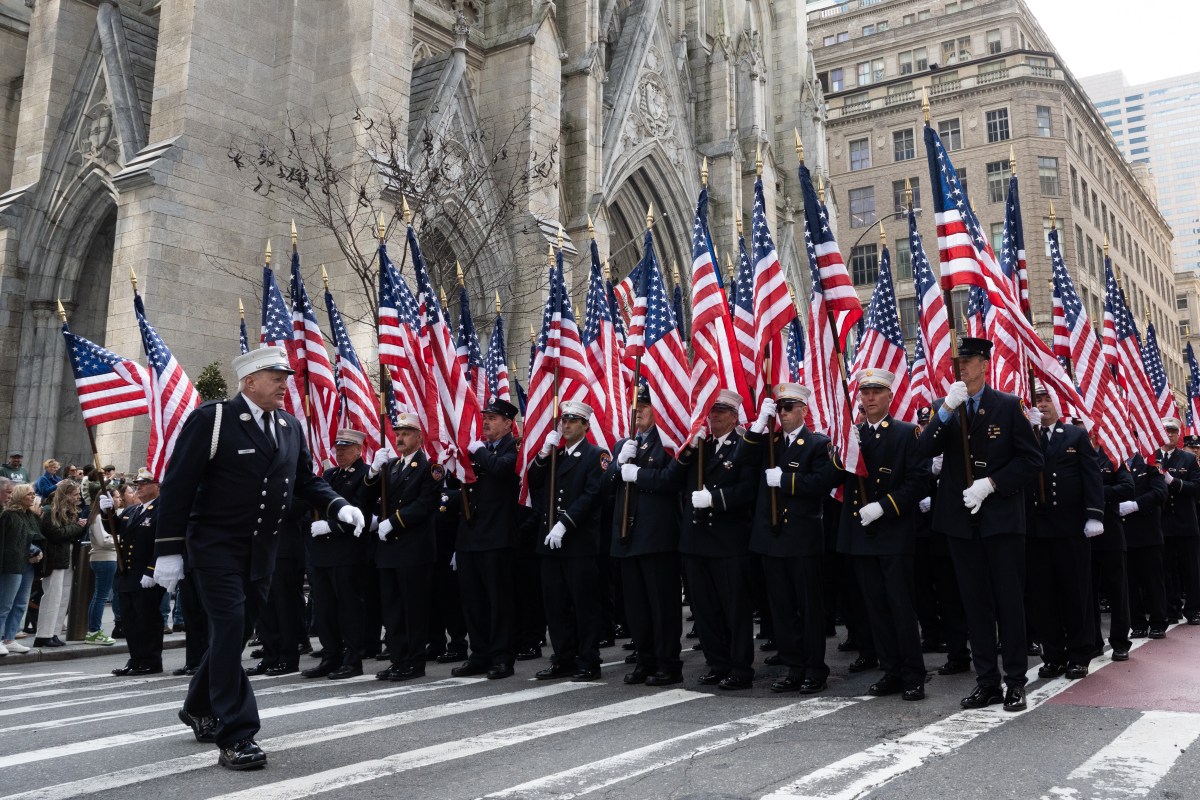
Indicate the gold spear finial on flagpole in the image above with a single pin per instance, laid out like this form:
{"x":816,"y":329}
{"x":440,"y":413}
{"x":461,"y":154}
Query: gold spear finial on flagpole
{"x":268,"y":255}
{"x":532,"y":335}
{"x":649,"y":216}
{"x":293,"y":236}
{"x":560,"y":236}
{"x":799,"y":146}
{"x":820,"y":189}
{"x":458,"y":269}
{"x":675,"y":272}
{"x":1012,"y":160}
{"x":1051,"y":215}
{"x":133,"y":279}
{"x":704,"y":172}
{"x":382,"y":227}
{"x":497,"y":301}
{"x":908,"y":193}
{"x":882,"y":234}
{"x":62,"y":312}
{"x":325,"y":277}
{"x":591,"y":228}
{"x":405,"y":211}
{"x":1106,"y":245}
{"x":550,"y":255}
{"x":442,"y":294}
{"x":732,"y":276}
{"x":758,"y":161}
{"x":925,"y":104}
{"x":241,"y":310}
{"x":738,"y":222}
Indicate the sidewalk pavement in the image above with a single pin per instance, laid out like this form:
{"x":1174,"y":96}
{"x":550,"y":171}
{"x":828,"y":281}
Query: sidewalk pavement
{"x":77,"y":649}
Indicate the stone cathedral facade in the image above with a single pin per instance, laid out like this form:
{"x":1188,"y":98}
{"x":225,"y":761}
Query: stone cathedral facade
{"x":118,"y":120}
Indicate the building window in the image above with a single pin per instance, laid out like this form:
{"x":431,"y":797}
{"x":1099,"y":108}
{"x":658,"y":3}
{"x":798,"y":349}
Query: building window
{"x":868,"y":30}
{"x":1048,"y":175}
{"x":899,"y":203}
{"x":837,"y":79}
{"x":955,"y":50}
{"x":1091,"y":257}
{"x":924,"y":15}
{"x":1043,"y":121}
{"x":1074,"y":188}
{"x":993,"y":41}
{"x":997,"y":180}
{"x":864,"y":264}
{"x":903,"y":259}
{"x":913,"y":61}
{"x":903,"y":146}
{"x":950,"y":132}
{"x":908,"y":317}
{"x":996,"y":235}
{"x":860,"y":154}
{"x":997,"y":125}
{"x":1079,"y":245}
{"x":828,"y":40}
{"x":909,"y":19}
{"x":862,"y":207}
{"x":1181,"y":302}
{"x":870,"y":71}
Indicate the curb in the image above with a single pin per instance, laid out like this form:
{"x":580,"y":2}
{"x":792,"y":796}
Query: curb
{"x":78,"y":650}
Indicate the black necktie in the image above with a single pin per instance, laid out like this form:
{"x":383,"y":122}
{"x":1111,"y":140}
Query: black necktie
{"x":970,"y":408}
{"x":268,"y":425}
{"x":1045,"y":437}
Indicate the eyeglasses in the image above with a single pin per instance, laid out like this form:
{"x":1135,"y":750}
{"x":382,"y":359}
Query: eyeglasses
{"x":787,"y":405}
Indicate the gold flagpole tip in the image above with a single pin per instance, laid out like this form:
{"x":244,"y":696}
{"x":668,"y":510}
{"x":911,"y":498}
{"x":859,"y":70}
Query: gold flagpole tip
{"x":62,"y":312}
{"x":1106,"y":245}
{"x":675,"y":272}
{"x":738,"y":222}
{"x":532,"y":335}
{"x":820,"y":190}
{"x":497,"y":302}
{"x":550,"y":254}
{"x":459,"y":272}
{"x":925,"y":104}
{"x":704,"y":171}
{"x":442,"y":294}
{"x":293,"y":234}
{"x":882,"y":234}
{"x":268,"y":251}
{"x":325,"y":277}
{"x":729,"y":270}
{"x":908,"y":193}
{"x":382,"y":227}
{"x":1012,"y":160}
{"x":1051,"y":215}
{"x":758,"y":161}
{"x":405,"y":211}
{"x":560,"y":236}
{"x":649,"y":216}
{"x":799,"y":145}
{"x":609,"y":271}
{"x":241,"y":309}
{"x":591,"y":228}
{"x":133,"y":279}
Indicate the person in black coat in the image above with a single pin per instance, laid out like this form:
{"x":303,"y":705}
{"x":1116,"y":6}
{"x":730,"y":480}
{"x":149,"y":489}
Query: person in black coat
{"x":485,"y":549}
{"x":236,"y":469}
{"x":792,"y":550}
{"x":571,"y":528}
{"x":337,"y":567}
{"x":980,"y":508}
{"x":406,"y":490}
{"x":648,"y":553}
{"x":1108,"y":560}
{"x":1142,"y":519}
{"x":1065,"y":510}
{"x":140,"y":597}
{"x":1181,"y":537}
{"x":714,"y":539}
{"x":878,"y":531}
{"x":280,"y":624}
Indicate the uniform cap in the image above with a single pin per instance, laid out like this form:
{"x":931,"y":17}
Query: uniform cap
{"x":501,"y":407}
{"x":1170,"y":422}
{"x":875,"y":378}
{"x":974,"y":346}
{"x":643,"y":393}
{"x":729,"y":399}
{"x":144,"y":476}
{"x":793,"y":391}
{"x":574,"y":408}
{"x":273,"y":358}
{"x":350,"y":436}
{"x":408,"y":421}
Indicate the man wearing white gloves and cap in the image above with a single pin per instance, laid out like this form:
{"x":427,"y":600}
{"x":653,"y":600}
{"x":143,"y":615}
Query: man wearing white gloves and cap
{"x":236,"y":468}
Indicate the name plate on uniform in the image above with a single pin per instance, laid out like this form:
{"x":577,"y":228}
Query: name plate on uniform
{"x":245,"y":452}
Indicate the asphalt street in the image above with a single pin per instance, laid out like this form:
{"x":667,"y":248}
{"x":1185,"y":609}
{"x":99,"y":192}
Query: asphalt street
{"x":70,"y":729}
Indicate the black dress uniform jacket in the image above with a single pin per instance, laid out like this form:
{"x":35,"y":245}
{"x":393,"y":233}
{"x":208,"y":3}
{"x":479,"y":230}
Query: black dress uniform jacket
{"x":1143,"y":528}
{"x":1002,"y":447}
{"x":1179,"y":508}
{"x":136,"y":528}
{"x":653,"y":501}
{"x":578,"y":488}
{"x":341,"y":548}
{"x":1071,"y":490}
{"x":242,"y":494}
{"x":724,"y":530}
{"x":898,"y":478}
{"x":492,"y":498}
{"x":413,"y":495}
{"x":1118,"y":487}
{"x":808,"y":476}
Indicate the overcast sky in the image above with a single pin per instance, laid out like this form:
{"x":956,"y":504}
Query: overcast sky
{"x":1147,"y":40}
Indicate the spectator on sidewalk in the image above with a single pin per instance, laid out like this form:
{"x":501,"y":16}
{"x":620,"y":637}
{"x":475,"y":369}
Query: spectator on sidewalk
{"x":62,"y":527}
{"x":103,"y":561}
{"x":13,"y":470}
{"x":44,"y":486}
{"x":20,"y":550}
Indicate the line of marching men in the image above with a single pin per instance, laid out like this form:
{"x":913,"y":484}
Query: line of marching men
{"x":989,"y":533}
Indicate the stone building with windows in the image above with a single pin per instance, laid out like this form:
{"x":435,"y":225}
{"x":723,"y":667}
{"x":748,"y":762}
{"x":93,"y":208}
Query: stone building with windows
{"x":119,"y":148}
{"x":995,"y":85}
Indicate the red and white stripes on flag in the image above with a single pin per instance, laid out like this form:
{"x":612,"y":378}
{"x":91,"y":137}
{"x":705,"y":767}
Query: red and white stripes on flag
{"x":933,"y":327}
{"x":360,"y":405}
{"x":171,"y":397}
{"x":109,"y":386}
{"x":610,"y":407}
{"x":882,"y":344}
{"x":773,"y":307}
{"x":317,"y":373}
{"x":276,"y":331}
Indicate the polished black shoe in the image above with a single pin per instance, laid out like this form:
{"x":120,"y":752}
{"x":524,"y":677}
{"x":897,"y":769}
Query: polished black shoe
{"x":406,"y":673}
{"x":930,"y":646}
{"x":554,"y":671}
{"x":1051,"y":670}
{"x":885,"y":687}
{"x":203,"y":728}
{"x":384,"y":674}
{"x":500,"y":671}
{"x":468,"y":669}
{"x":1157,"y":633}
{"x":320,"y":670}
{"x":245,"y":754}
{"x":768,"y":646}
{"x":584,"y":675}
{"x":862,"y":664}
{"x":812,"y":686}
{"x":787,"y":684}
{"x":118,"y":632}
{"x":1076,"y":671}
{"x":46,"y":641}
{"x":258,"y":669}
{"x":609,"y":642}
{"x":710,"y":678}
{"x":982,"y":697}
{"x":283,"y":669}
{"x":145,"y":671}
{"x":1194,"y":619}
{"x":1014,"y":699}
{"x":184,"y":670}
{"x":847,"y":646}
{"x":346,"y":671}
{"x":639,"y":675}
{"x":664,"y":679}
{"x":1138,"y":633}
{"x":125,"y":670}
{"x":773,"y":660}
{"x":1120,"y":655}
{"x":451,"y":656}
{"x":57,"y":642}
{"x":259,"y":653}
{"x":954,"y":667}
{"x":529,"y":654}
{"x":734,"y":682}
{"x":915,"y":693}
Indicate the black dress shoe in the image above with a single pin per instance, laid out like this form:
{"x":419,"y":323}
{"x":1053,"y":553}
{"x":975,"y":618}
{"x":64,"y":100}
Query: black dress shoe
{"x":1051,"y":670}
{"x":384,"y":674}
{"x":255,"y":642}
{"x":787,"y":684}
{"x":982,"y":697}
{"x":884,"y":687}
{"x":812,"y":686}
{"x":1014,"y":699}
{"x":847,"y":646}
{"x":584,"y":675}
{"x":125,"y":670}
{"x":529,"y":654}
{"x":346,"y":671}
{"x":915,"y":693}
{"x":203,"y":728}
{"x":406,"y":673}
{"x":734,"y":682}
{"x":283,"y":669}
{"x":1157,"y":633}
{"x":145,"y":671}
{"x":500,"y":671}
{"x":710,"y":678}
{"x":773,"y":660}
{"x":930,"y":646}
{"x":320,"y":670}
{"x":768,"y":646}
{"x":258,"y":669}
{"x":259,"y":653}
{"x":451,"y":656}
{"x":1138,"y":633}
{"x":862,"y":664}
{"x":637,"y":676}
{"x":619,"y":632}
{"x":1077,"y":671}
{"x":664,"y":679}
{"x":630,"y":645}
{"x":57,"y":642}
{"x":184,"y":670}
{"x":954,"y":667}
{"x":1120,"y":655}
{"x":244,"y":754}
{"x":44,"y":641}
{"x":554,"y":671}
{"x":468,"y":669}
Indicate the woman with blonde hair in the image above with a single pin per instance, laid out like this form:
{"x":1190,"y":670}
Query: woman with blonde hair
{"x":62,"y":527}
{"x":44,"y":486}
{"x":20,"y":549}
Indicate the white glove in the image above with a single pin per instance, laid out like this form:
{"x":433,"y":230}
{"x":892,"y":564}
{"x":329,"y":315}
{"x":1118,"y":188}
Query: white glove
{"x":869,"y":513}
{"x":774,"y":476}
{"x":1127,"y":507}
{"x":377,"y":463}
{"x":350,"y":515}
{"x":106,"y":503}
{"x":385,"y":527}
{"x":957,"y":395}
{"x":320,"y":528}
{"x":1168,"y":477}
{"x":628,"y":452}
{"x":629,"y":472}
{"x":925,"y":504}
{"x":555,"y":537}
{"x":552,"y":440}
{"x":167,"y":571}
{"x":937,"y":465}
{"x":765,"y":415}
{"x":1093,"y":527}
{"x":475,"y":445}
{"x":1035,"y":417}
{"x":698,"y":440}
{"x":454,"y":561}
{"x":702,"y":498}
{"x":976,"y":493}
{"x":146,"y":582}
{"x":374,"y":522}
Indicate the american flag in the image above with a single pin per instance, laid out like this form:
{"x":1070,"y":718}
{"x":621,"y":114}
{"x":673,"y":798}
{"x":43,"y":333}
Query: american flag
{"x":664,"y":362}
{"x":838,"y":289}
{"x":977,"y":309}
{"x":882,"y":345}
{"x":716,"y":363}
{"x":933,"y":327}
{"x":171,"y":397}
{"x":741,"y":310}
{"x":1012,"y":248}
{"x":627,"y":382}
{"x":773,"y":307}
{"x":626,"y":293}
{"x":243,"y":339}
{"x":608,"y":397}
{"x":1152,"y":359}
{"x":402,"y":353}
{"x":795,"y":351}
{"x":276,"y":331}
{"x":919,"y":385}
{"x":829,"y":409}
{"x":317,"y":372}
{"x":460,"y":412}
{"x":1096,"y":386}
{"x":470,"y":356}
{"x":677,"y":307}
{"x":967,"y":259}
{"x":1009,"y":373}
{"x":1123,"y":352}
{"x":109,"y":386}
{"x":359,"y":403}
{"x":1193,"y":393}
{"x":495,"y":364}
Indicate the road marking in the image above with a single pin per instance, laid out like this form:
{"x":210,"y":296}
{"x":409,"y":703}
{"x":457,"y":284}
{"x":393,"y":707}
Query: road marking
{"x":604,"y":773}
{"x":26,"y":676}
{"x":1132,"y":764}
{"x":174,"y":766}
{"x":336,"y":780}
